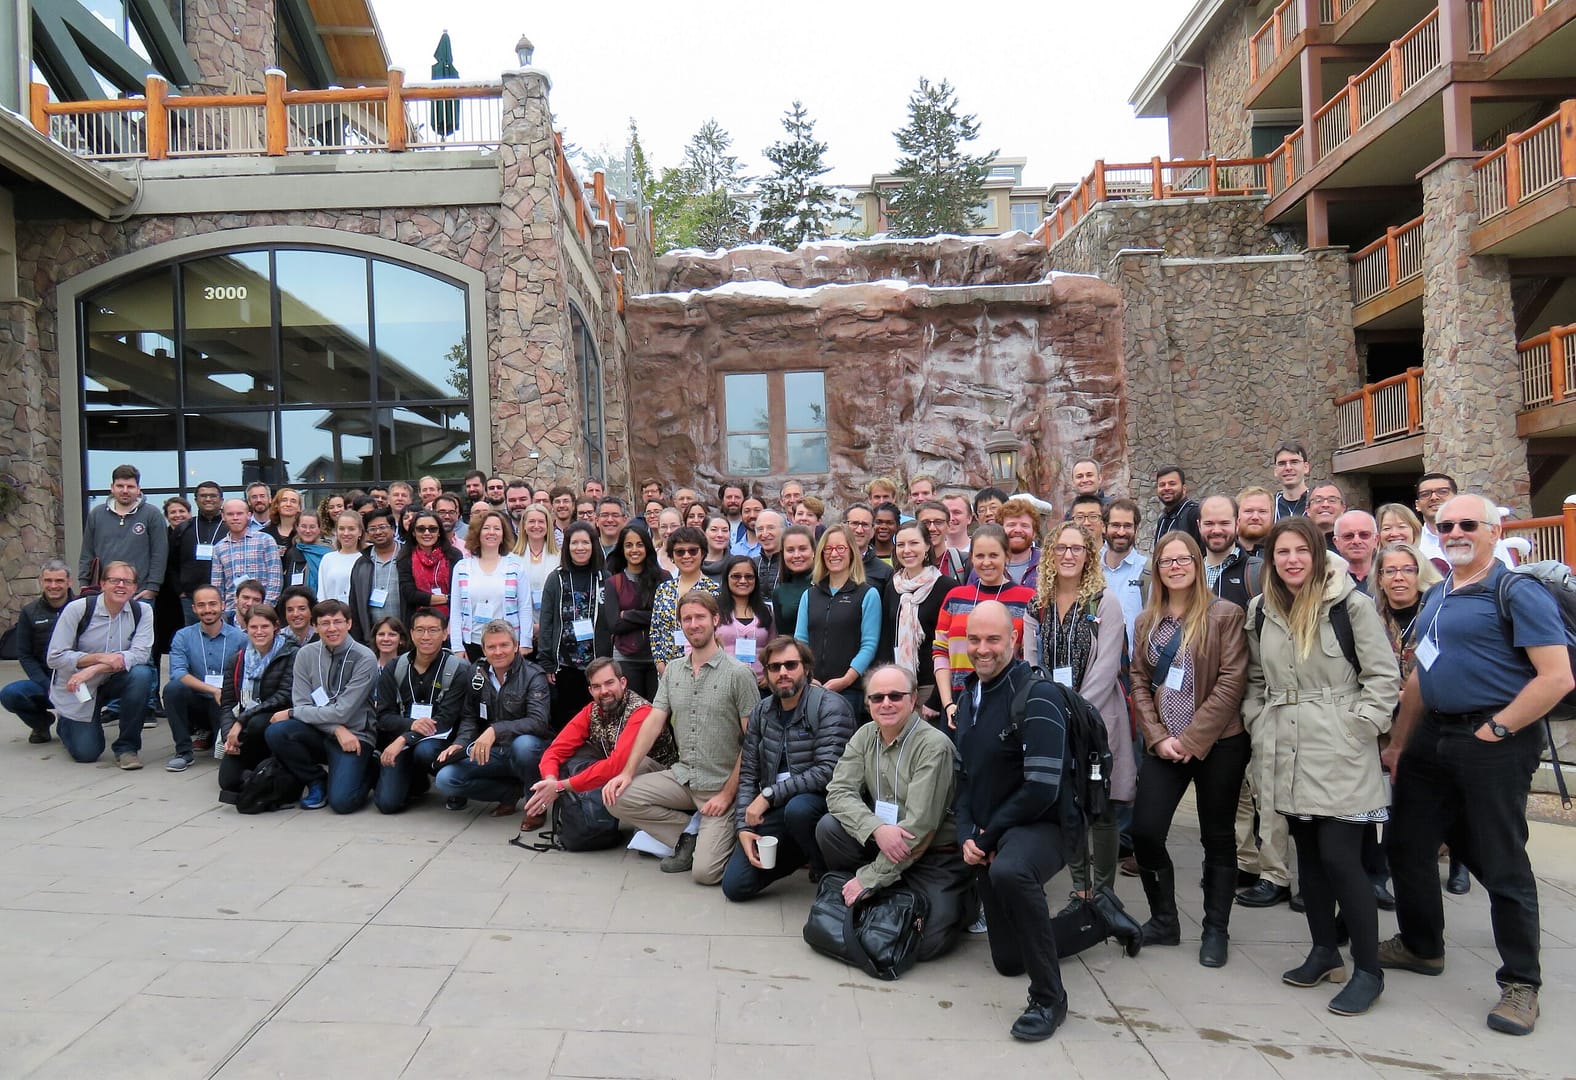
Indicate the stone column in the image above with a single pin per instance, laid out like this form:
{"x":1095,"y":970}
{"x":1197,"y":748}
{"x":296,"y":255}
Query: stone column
{"x":531,"y":363}
{"x":230,"y":38}
{"x":1146,"y":358}
{"x":29,"y":458}
{"x":1469,"y":348}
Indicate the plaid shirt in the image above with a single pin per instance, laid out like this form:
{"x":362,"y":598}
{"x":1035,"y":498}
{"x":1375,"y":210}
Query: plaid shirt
{"x":254,"y":555}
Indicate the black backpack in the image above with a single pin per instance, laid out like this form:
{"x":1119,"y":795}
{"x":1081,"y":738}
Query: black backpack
{"x":1085,"y":793}
{"x":268,"y":787}
{"x":1558,"y":580}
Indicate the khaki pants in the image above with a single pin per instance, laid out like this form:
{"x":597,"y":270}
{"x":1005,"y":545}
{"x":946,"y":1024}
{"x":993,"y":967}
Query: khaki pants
{"x":1267,"y":858}
{"x":662,"y":806}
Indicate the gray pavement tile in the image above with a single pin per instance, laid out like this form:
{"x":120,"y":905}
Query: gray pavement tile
{"x":988,"y":1053}
{"x":355,"y":994}
{"x":173,"y":938}
{"x":751,"y":1052}
{"x":30,"y":1038}
{"x":155,"y":1037}
{"x":285,"y":1048}
{"x":254,"y":981}
{"x":634,"y":1056}
{"x":441,"y":907}
{"x":308,"y":943}
{"x":552,"y":952}
{"x":463,"y":1053}
{"x":376,"y":945}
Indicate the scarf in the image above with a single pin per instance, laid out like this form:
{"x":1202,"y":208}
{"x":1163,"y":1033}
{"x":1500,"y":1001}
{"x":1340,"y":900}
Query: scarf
{"x":1071,"y":640}
{"x":429,"y":567}
{"x":254,"y":663}
{"x":314,"y":558}
{"x":912,"y":592}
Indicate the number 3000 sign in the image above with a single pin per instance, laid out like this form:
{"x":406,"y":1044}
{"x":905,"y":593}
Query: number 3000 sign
{"x":224,"y":292}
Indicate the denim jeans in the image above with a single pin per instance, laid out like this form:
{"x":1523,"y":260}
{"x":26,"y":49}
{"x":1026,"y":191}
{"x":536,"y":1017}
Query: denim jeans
{"x":305,"y":750}
{"x":410,"y":774}
{"x":794,"y":826}
{"x":510,"y":768}
{"x":187,"y":709}
{"x":1451,"y":785}
{"x":30,"y":701}
{"x":129,"y":690}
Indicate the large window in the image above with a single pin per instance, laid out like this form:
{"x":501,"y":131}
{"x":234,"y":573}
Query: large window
{"x":775,"y":422}
{"x":314,"y":368}
{"x":1026,"y":216}
{"x":588,"y":362}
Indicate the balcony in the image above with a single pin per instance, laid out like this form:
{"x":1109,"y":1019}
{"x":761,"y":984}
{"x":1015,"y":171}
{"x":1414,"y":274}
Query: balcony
{"x":1379,"y":86}
{"x":1541,"y":52}
{"x":1526,"y":190}
{"x":1547,"y":365}
{"x":1374,"y":22}
{"x":1154,"y":179}
{"x":1380,"y":427}
{"x":1387,"y":279}
{"x":1273,"y":80}
{"x":1552,"y":538}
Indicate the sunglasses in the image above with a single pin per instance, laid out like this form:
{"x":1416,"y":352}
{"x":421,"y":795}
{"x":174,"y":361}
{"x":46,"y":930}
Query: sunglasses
{"x":891,"y":695}
{"x":684,"y":552}
{"x":1466,"y":525}
{"x":784,"y":665}
{"x":425,"y":529}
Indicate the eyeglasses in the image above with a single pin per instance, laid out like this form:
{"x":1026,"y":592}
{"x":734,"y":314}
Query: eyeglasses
{"x":1433,"y":493}
{"x":1354,"y":536}
{"x":685,"y":552}
{"x":890,"y":695}
{"x":120,"y":581}
{"x":1069,"y":549}
{"x":741,"y":577}
{"x":783,"y":665}
{"x":1466,"y":525}
{"x":1398,"y":571}
{"x":425,"y":529}
{"x":1327,"y":499}
{"x":1179,"y":560}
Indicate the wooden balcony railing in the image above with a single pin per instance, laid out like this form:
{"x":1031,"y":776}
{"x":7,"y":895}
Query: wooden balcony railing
{"x":1552,"y":538}
{"x":1388,"y":409}
{"x":1392,"y":260}
{"x":1283,"y":166}
{"x":1530,"y":162}
{"x":1274,"y":37}
{"x":278,"y":121}
{"x":1492,"y":21}
{"x":1378,"y":86}
{"x":1548,"y":367}
{"x":1154,"y":179}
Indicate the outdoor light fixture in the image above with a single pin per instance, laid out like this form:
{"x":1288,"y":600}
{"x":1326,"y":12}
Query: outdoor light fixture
{"x":524,"y":49}
{"x":1002,"y":449}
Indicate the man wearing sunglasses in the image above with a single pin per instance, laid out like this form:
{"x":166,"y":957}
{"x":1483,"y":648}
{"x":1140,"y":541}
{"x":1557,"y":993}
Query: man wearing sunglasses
{"x":890,"y":811}
{"x":1462,"y":753}
{"x":792,"y":742}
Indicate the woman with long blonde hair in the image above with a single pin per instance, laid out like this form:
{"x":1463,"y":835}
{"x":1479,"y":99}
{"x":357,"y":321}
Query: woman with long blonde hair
{"x":1190,"y":661}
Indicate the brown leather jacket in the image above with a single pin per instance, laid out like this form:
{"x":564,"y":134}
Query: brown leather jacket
{"x":1220,"y":678}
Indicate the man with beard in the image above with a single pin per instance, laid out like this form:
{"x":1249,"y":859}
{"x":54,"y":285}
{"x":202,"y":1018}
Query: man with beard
{"x":792,"y":742}
{"x":1122,"y":562}
{"x":516,"y":497}
{"x":1021,"y":521}
{"x":1255,"y":515}
{"x":1178,"y":513}
{"x":1231,"y":573}
{"x":1325,"y":504}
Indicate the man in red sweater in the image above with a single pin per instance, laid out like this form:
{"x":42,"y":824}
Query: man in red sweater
{"x":595,"y":745}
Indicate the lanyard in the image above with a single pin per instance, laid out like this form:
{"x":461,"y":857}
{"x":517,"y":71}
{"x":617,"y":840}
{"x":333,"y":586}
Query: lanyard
{"x":207,"y":664}
{"x":323,"y":679}
{"x":213,"y":537}
{"x":897,"y":771}
{"x":437,"y":679}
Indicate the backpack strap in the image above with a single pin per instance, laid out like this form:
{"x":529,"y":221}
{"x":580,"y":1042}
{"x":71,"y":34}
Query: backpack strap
{"x":1341,"y":623}
{"x":814,"y":705}
{"x":90,"y":605}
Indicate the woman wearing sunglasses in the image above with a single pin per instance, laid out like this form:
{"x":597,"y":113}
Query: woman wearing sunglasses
{"x":426,"y":565}
{"x":687,"y":549}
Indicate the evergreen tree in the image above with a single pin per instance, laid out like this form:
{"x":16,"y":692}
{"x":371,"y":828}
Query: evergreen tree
{"x":641,"y":180}
{"x":943,"y":184}
{"x":701,"y":203}
{"x":795,"y":205}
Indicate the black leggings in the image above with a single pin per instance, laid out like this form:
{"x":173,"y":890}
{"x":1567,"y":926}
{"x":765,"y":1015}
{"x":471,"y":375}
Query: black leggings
{"x":571,"y":693}
{"x":1217,"y":782}
{"x":1330,"y":871}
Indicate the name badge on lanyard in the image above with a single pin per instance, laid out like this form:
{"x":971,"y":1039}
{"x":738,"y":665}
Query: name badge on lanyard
{"x":205,"y":552}
{"x":1427,"y":652}
{"x":421,"y":712}
{"x":583,"y":630}
{"x":680,"y":640}
{"x":1064,"y":676}
{"x":298,"y":577}
{"x":379,"y":597}
{"x":1174,"y":677}
{"x":886,"y":811}
{"x":744,"y":650}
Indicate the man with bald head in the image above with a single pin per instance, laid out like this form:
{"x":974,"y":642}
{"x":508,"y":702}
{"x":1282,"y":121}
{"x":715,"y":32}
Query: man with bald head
{"x":1009,"y":777}
{"x":1356,"y":539}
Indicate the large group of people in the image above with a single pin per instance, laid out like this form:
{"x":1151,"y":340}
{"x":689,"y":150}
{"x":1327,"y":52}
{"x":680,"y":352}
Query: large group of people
{"x":880,"y":691}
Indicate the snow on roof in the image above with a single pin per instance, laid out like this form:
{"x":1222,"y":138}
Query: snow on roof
{"x":776,"y":290}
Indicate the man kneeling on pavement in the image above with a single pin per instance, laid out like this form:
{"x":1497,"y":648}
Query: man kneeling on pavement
{"x":420,"y":697}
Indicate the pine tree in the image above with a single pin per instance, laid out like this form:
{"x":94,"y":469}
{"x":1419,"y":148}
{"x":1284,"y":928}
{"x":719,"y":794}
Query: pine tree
{"x":795,"y":205}
{"x":644,"y":184}
{"x":701,"y":203}
{"x":943,"y":184}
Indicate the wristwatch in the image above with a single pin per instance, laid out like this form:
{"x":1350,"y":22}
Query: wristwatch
{"x":766,"y":793}
{"x":1499,"y":730}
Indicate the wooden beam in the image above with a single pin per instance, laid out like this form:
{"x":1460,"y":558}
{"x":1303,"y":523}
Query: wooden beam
{"x":1553,"y":266}
{"x":347,"y":31}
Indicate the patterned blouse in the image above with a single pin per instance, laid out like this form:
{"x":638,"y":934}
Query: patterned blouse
{"x":667,"y":638}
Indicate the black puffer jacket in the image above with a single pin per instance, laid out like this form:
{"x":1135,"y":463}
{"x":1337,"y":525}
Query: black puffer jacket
{"x":273,"y":690}
{"x":814,"y":743}
{"x":519,"y":708}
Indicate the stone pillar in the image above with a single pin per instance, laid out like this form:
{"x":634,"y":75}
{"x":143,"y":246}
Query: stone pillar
{"x":531,"y":363}
{"x":1146,"y":357}
{"x":1469,"y":348}
{"x":230,"y":40}
{"x":30,"y":467}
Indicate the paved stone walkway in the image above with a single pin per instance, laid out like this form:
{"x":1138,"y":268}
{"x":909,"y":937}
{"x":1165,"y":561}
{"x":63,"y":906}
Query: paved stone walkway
{"x":147,"y":931}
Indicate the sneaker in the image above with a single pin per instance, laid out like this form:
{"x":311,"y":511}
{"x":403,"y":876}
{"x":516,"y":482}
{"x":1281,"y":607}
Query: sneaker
{"x":38,"y":735}
{"x":147,"y":725}
{"x":202,"y":741}
{"x":128,"y":761}
{"x":1128,"y":866}
{"x":1393,"y":953}
{"x":455,"y":802}
{"x":683,"y":857}
{"x":179,"y":763}
{"x":978,"y":925}
{"x":1517,"y":1011}
{"x":314,"y":799}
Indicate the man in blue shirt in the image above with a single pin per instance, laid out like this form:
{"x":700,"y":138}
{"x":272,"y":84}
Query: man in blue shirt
{"x":1463,"y":750}
{"x":200,"y":656}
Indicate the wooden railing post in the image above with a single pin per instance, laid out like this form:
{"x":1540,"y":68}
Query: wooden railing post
{"x":1392,"y":257}
{"x":1213,"y":186}
{"x":1488,"y":26}
{"x":1098,"y":175}
{"x":397,"y":129}
{"x":1557,"y":367}
{"x":38,"y":107}
{"x":1397,"y":74}
{"x":1157,"y":178}
{"x":1368,"y":416}
{"x":1512,"y":171}
{"x":599,"y":193}
{"x":156,"y":122}
{"x":276,"y":122}
{"x":1414,"y":399}
{"x":1567,"y":124}
{"x":1354,"y":107}
{"x":1568,"y":511}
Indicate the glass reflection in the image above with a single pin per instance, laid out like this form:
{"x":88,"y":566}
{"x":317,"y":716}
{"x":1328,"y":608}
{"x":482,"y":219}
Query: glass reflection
{"x":749,"y":454}
{"x":323,"y":326}
{"x":425,"y":441}
{"x":230,"y":448}
{"x":804,"y":400}
{"x":807,"y":452}
{"x":229,"y":329}
{"x":745,"y":402}
{"x":422,"y":344}
{"x":327,"y":446}
{"x":147,"y":442}
{"x":130,"y":334}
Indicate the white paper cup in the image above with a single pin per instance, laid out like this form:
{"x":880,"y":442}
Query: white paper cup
{"x":766,"y":851}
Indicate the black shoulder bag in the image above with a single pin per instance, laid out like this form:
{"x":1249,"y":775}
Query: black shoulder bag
{"x":879,"y":933}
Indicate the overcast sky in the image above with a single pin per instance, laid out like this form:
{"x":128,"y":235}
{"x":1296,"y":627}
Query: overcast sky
{"x":1049,"y":82}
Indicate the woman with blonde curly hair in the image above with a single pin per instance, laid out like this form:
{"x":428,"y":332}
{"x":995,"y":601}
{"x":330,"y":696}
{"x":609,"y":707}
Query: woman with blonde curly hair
{"x":1075,"y":633}
{"x":1190,"y":664}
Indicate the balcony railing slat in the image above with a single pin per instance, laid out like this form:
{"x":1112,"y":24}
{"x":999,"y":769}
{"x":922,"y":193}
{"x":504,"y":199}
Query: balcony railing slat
{"x":1388,"y":409}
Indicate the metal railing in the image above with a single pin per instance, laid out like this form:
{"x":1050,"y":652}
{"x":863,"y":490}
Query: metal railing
{"x":1155,"y":179}
{"x":1552,"y":538}
{"x":1388,"y":409}
{"x":1529,"y":163}
{"x":1548,"y":367}
{"x":1373,"y":90}
{"x":1390,"y":261}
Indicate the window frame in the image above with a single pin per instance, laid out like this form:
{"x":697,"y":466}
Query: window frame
{"x":777,"y":429}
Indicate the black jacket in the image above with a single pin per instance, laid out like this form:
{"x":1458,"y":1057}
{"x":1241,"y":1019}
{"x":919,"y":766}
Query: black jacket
{"x":445,"y":686}
{"x":273,"y":691}
{"x":193,"y":571}
{"x":33,"y":630}
{"x":929,"y":612}
{"x":519,"y":708}
{"x":412,"y":598}
{"x":876,"y":571}
{"x":1008,"y":773}
{"x":550,"y":631}
{"x":362,"y":613}
{"x":808,"y":748}
{"x":615,"y":621}
{"x":1239,"y":578}
{"x":1182,"y":519}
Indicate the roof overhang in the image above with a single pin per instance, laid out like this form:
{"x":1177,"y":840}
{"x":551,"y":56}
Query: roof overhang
{"x":29,"y":155}
{"x":1184,"y":52}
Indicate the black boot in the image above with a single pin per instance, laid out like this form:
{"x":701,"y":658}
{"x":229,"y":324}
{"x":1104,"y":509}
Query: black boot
{"x":1119,"y":924}
{"x":1360,"y":993}
{"x":1160,"y":889}
{"x":1460,"y":882}
{"x":1220,"y":889}
{"x":1322,"y":964}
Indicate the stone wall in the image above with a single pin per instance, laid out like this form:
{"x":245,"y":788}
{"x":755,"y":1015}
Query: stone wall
{"x":29,"y":458}
{"x":1182,"y":228}
{"x":227,"y":38}
{"x":1226,"y":81}
{"x":939,"y":260}
{"x":1469,"y":340}
{"x":917,"y":378}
